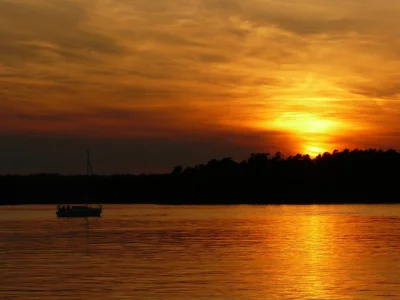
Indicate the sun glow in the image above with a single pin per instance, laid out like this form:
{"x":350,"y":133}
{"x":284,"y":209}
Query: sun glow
{"x":313,"y":150}
{"x":304,"y":123}
{"x":312,"y":133}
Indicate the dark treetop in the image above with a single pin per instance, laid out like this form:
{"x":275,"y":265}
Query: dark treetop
{"x":357,"y":176}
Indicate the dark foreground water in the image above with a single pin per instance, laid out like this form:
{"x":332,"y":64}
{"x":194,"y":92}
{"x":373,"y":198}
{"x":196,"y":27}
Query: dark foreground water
{"x":200,"y":252}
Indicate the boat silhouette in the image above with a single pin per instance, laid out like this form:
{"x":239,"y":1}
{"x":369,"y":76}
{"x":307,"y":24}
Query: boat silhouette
{"x":67,"y":211}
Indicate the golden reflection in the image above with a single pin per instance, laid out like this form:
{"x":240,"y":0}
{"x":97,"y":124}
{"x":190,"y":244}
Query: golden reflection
{"x":315,"y":243}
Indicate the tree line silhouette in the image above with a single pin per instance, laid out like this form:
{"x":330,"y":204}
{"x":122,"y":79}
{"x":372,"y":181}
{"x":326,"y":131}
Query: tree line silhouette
{"x":357,"y":176}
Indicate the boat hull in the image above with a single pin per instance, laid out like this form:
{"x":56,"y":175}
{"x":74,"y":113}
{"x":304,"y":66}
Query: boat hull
{"x":82,"y":213}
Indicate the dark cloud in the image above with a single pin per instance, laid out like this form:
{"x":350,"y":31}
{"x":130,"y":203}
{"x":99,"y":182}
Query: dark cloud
{"x":315,"y":17}
{"x":66,"y":155}
{"x":107,"y":121}
{"x":384,"y":89}
{"x":304,"y":25}
{"x":60,"y":24}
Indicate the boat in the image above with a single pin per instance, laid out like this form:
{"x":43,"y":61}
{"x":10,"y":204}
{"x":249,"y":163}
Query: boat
{"x":67,"y":211}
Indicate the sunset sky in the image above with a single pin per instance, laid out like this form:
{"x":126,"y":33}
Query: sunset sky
{"x":146,"y":85}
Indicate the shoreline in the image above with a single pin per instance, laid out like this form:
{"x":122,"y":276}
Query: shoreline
{"x":215,"y":204}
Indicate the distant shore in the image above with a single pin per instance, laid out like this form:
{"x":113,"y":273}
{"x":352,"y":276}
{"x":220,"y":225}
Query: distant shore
{"x":348,"y":177}
{"x":211,"y":204}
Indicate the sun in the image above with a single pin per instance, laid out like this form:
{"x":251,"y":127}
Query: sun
{"x":312,"y":150}
{"x":312,"y":132}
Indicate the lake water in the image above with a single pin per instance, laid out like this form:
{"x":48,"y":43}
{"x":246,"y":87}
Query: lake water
{"x":200,"y":252}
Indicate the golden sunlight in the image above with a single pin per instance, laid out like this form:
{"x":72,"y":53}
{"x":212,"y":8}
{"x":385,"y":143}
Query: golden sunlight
{"x":312,"y":150}
{"x":305,"y":123}
{"x":311,"y":131}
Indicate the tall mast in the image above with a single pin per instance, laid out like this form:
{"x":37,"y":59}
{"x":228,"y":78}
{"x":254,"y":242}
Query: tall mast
{"x":89,"y":170}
